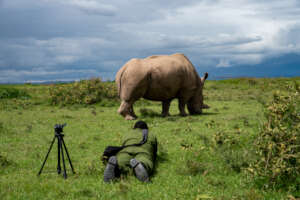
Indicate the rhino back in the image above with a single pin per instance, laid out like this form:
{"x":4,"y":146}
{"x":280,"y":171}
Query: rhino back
{"x":170,"y":77}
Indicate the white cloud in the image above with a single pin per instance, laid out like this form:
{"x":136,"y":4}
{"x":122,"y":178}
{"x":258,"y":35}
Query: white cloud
{"x":223,"y":63}
{"x":97,"y":7}
{"x":98,"y":34}
{"x":237,"y":30}
{"x":55,"y":51}
{"x":93,"y":6}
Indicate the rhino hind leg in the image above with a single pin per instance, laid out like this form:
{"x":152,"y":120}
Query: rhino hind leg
{"x":126,"y":110}
{"x":165,"y":108}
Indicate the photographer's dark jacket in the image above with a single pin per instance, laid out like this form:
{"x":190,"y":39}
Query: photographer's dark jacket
{"x":145,"y":153}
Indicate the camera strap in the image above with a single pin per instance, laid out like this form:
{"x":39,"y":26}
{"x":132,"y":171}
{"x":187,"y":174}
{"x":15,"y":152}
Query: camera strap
{"x":143,"y":141}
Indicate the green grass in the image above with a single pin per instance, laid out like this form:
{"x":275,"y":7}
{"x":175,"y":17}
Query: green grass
{"x":200,"y":157}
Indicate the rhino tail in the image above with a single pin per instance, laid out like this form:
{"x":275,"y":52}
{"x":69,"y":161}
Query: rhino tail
{"x":204,"y":77}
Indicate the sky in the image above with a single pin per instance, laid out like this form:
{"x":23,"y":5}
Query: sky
{"x":66,"y":40}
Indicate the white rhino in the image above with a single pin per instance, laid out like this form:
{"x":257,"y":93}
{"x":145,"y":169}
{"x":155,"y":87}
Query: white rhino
{"x":160,"y":78}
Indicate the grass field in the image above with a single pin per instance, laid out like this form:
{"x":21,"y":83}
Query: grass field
{"x":200,"y":157}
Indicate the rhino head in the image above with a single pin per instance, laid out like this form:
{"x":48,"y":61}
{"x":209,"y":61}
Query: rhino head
{"x":195,"y":104}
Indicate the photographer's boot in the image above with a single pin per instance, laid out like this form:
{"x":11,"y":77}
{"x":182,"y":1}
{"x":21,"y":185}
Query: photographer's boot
{"x":139,"y":170}
{"x":110,"y":170}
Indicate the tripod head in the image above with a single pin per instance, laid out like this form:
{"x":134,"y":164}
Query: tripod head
{"x":58,"y":128}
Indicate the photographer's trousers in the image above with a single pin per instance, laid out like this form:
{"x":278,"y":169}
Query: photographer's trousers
{"x":145,"y":153}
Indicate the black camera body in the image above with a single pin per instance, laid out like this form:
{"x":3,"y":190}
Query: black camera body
{"x":58,"y":128}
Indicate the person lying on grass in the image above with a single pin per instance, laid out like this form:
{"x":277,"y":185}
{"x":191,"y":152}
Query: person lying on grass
{"x":138,"y":153}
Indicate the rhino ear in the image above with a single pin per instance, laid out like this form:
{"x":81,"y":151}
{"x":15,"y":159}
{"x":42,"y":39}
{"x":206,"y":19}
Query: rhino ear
{"x":204,"y":77}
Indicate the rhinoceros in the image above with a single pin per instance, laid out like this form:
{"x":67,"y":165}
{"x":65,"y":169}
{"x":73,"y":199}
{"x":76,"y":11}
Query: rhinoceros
{"x":160,"y":78}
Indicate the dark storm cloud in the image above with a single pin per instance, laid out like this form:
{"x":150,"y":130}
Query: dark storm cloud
{"x":290,"y":37}
{"x":74,"y":39}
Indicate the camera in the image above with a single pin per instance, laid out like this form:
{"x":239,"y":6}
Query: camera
{"x":58,"y":128}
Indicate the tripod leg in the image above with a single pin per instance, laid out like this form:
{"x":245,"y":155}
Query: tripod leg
{"x":63,"y":159}
{"x":46,"y":156}
{"x":68,"y":156}
{"x":58,"y":154}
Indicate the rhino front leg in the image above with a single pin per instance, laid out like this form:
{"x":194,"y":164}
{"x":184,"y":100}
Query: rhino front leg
{"x":181,"y":106}
{"x":165,"y":108}
{"x":132,"y":111}
{"x":126,"y":110}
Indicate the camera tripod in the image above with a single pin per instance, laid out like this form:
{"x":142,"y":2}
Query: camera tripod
{"x":58,"y":128}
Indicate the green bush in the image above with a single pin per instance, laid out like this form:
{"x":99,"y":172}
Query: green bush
{"x":9,"y":93}
{"x":82,"y":92}
{"x":278,"y":143}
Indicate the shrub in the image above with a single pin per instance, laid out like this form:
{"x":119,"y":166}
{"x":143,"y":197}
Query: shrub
{"x":9,"y":93}
{"x":82,"y":92}
{"x":278,"y":142}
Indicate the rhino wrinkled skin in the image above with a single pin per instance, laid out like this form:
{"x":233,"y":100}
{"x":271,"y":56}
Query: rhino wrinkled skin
{"x":160,"y":78}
